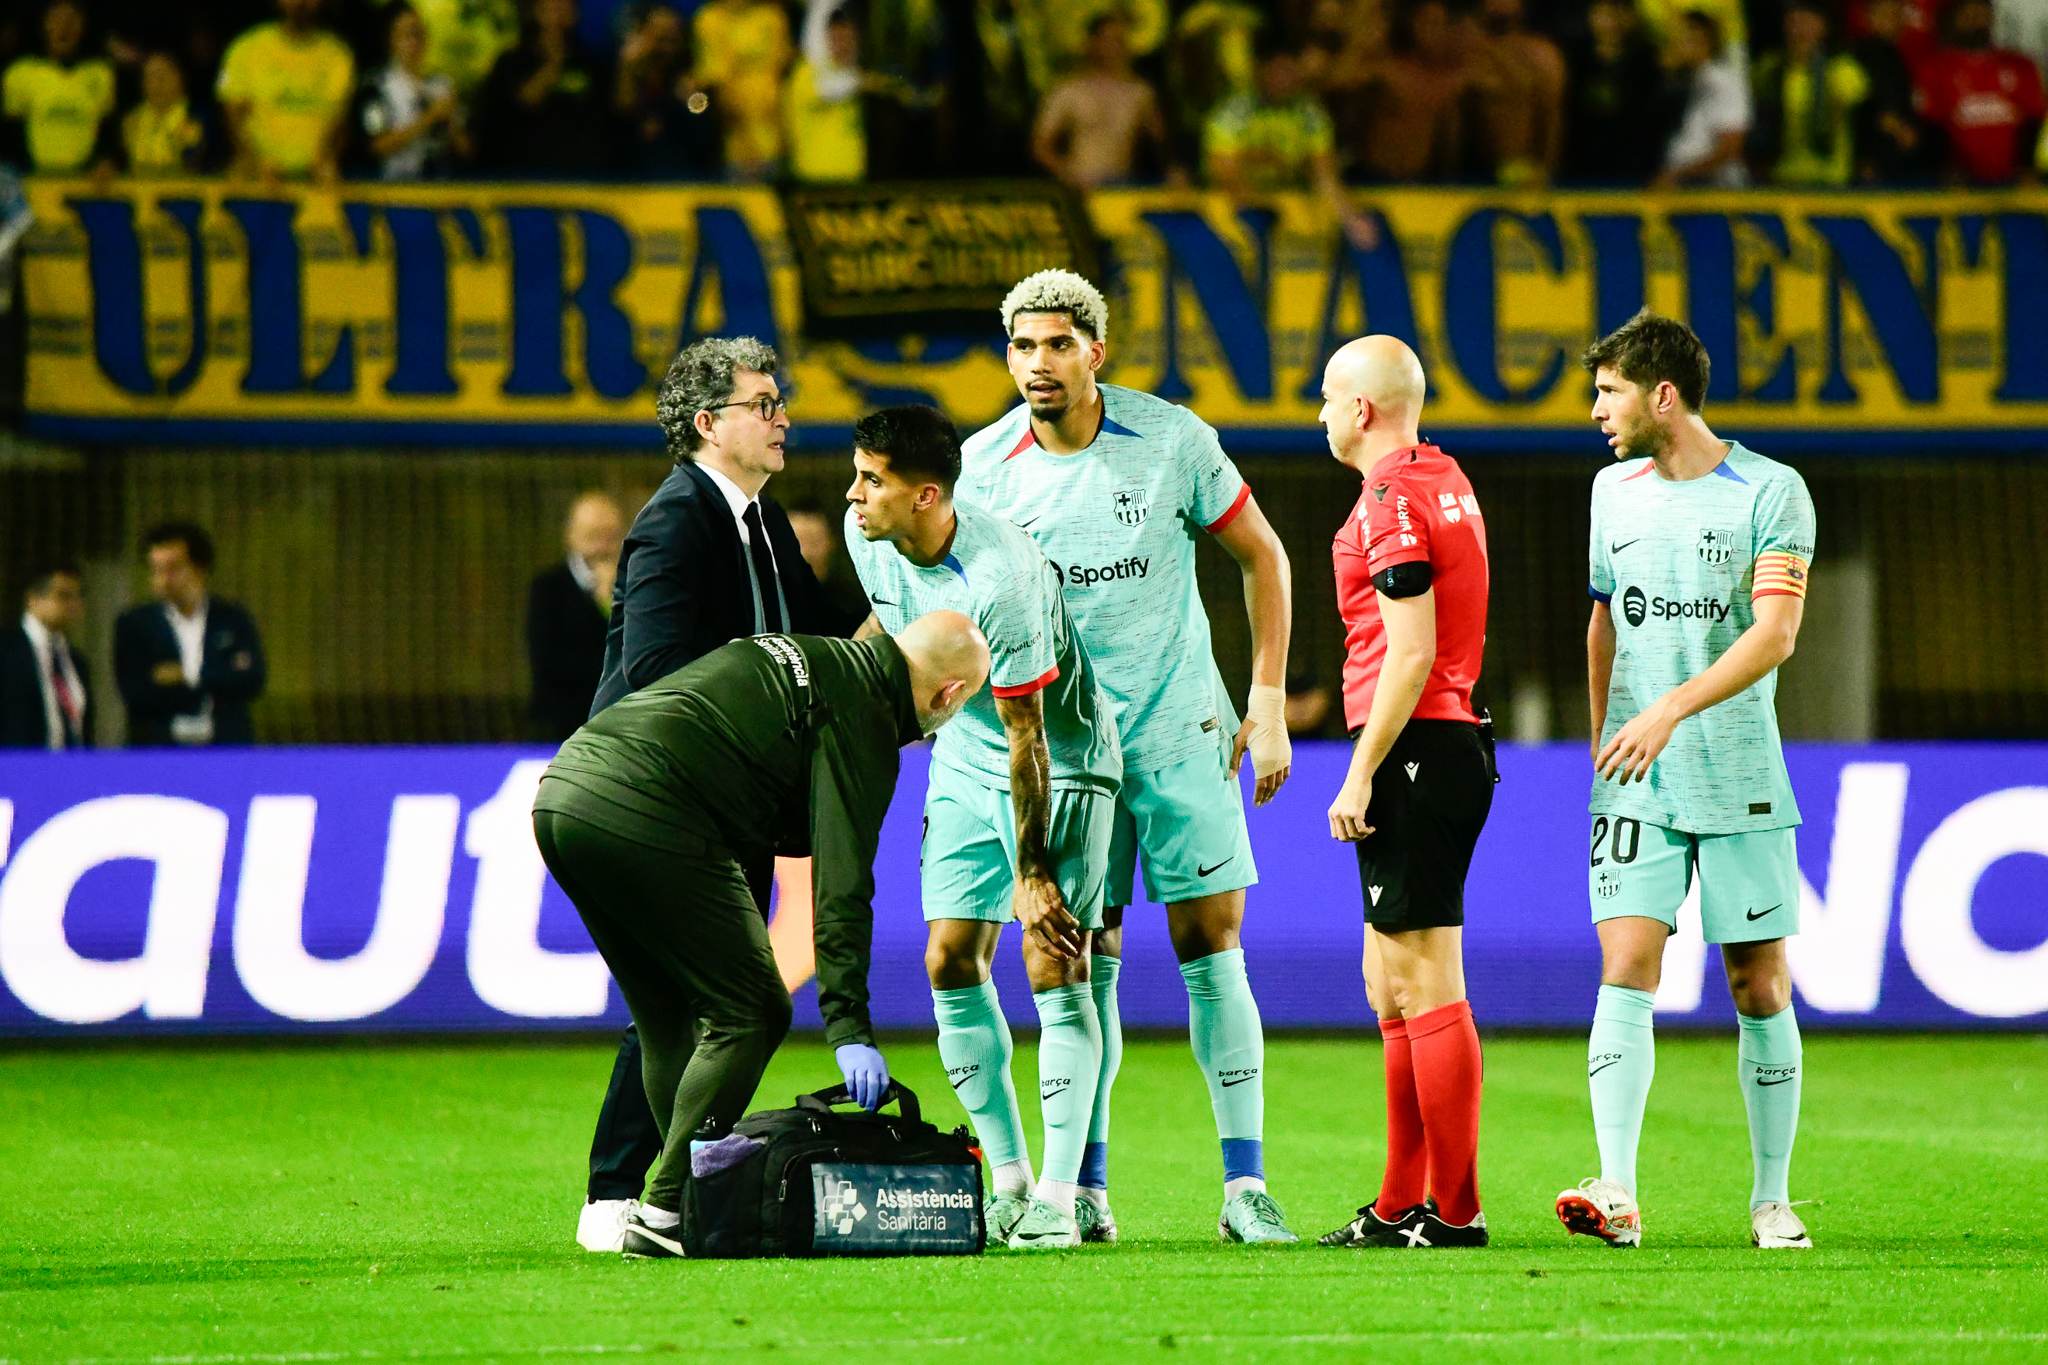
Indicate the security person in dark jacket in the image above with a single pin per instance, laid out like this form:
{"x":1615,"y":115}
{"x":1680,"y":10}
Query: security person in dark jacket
{"x":709,"y":559}
{"x":188,"y":664}
{"x":651,"y":812}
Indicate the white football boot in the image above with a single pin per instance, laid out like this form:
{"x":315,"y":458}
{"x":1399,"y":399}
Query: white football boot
{"x":1774,"y":1225}
{"x":1603,"y":1209}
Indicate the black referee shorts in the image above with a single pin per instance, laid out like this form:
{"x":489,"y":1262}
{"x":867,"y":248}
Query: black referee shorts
{"x":1429,"y":802}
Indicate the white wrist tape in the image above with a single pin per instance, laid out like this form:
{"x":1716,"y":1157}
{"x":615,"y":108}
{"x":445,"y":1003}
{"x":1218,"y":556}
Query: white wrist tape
{"x":1270,"y":749}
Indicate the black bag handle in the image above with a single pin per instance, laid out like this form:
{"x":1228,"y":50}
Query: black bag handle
{"x":822,"y":1101}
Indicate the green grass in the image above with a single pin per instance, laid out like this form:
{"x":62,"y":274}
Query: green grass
{"x":228,"y":1204}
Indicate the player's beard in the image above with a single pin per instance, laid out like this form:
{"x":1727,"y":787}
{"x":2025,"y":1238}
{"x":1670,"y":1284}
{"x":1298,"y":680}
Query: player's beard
{"x":1644,"y":440}
{"x":1052,"y":408}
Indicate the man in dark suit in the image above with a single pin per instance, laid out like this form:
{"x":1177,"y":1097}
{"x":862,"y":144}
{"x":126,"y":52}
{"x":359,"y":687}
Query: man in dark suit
{"x":708,"y":560}
{"x":189,"y":663}
{"x":566,"y":611}
{"x":45,"y":685}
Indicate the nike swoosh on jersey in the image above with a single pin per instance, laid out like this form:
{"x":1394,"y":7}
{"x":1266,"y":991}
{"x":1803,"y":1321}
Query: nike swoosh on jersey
{"x":1617,"y":549}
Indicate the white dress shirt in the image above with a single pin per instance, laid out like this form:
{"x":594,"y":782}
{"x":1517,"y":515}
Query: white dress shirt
{"x":47,"y":644}
{"x":739,"y":502}
{"x":580,"y":570}
{"x":191,"y":632}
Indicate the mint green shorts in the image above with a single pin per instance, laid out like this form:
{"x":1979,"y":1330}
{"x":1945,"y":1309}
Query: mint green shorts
{"x":1186,"y":822}
{"x":1749,"y":883}
{"x":968,"y":867}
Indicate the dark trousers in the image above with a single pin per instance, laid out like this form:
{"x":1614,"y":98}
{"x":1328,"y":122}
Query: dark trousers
{"x":686,"y":942}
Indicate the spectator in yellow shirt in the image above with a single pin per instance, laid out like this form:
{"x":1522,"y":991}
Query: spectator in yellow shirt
{"x":286,"y":89}
{"x":466,"y":37}
{"x":160,"y":135}
{"x":62,"y":99}
{"x":1279,"y":139}
{"x":1804,"y":98}
{"x":828,"y":140}
{"x":743,"y":50}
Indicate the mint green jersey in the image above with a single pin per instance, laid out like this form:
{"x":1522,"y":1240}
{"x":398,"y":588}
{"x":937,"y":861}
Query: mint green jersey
{"x":1678,"y":563}
{"x":1118,"y":521}
{"x":994,"y":574}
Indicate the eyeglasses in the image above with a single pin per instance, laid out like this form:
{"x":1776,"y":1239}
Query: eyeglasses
{"x":765,"y":407}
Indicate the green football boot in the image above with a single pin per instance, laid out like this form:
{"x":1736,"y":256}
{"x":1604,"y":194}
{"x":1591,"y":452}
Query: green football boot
{"x":1098,"y":1224}
{"x":1001,"y":1213}
{"x":1253,"y":1216}
{"x":1045,"y":1228}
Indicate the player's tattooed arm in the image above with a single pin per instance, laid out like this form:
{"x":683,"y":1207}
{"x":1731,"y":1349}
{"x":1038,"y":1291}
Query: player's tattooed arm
{"x":869,"y":628}
{"x":1269,"y":602}
{"x":1037,"y":901}
{"x":1766,"y":644}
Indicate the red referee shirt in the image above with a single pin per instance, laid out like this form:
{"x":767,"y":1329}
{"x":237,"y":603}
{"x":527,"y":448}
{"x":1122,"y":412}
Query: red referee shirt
{"x":1416,"y":505}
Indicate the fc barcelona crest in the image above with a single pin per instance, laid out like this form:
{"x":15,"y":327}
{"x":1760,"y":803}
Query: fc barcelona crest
{"x":1132,"y":505}
{"x":1716,"y":547}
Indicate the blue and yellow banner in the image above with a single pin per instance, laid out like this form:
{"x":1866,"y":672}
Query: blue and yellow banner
{"x":545,"y":314}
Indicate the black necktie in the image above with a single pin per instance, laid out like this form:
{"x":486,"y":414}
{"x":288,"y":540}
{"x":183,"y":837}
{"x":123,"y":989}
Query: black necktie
{"x":764,"y":571}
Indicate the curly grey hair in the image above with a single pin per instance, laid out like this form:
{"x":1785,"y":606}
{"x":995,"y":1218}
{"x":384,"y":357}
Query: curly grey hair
{"x":703,"y":376}
{"x":1059,"y":291}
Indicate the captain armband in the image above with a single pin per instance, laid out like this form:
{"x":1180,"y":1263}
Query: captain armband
{"x":1781,"y":573}
{"x":1404,"y":580}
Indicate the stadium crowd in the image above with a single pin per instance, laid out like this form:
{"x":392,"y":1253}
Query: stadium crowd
{"x":1246,"y":96}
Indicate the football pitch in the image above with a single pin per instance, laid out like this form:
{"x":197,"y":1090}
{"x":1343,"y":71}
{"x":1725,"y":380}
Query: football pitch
{"x":409,"y":1201}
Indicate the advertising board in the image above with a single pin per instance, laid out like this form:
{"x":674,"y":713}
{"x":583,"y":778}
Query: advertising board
{"x":309,"y":890}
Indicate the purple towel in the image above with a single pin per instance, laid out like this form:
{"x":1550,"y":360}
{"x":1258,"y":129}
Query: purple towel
{"x":724,"y":1154}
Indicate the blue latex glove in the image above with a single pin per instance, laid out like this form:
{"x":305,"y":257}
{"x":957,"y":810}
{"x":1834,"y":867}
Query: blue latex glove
{"x":866,"y":1073}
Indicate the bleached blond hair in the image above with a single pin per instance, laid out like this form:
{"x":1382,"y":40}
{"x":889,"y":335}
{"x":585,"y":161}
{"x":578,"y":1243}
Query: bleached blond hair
{"x":1059,"y":291}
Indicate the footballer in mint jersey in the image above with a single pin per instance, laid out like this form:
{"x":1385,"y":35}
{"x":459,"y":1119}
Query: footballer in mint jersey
{"x":1118,"y":524}
{"x":1114,"y":485}
{"x":995,"y":575}
{"x":1680,"y":566}
{"x":1699,"y":561}
{"x":1018,"y":809}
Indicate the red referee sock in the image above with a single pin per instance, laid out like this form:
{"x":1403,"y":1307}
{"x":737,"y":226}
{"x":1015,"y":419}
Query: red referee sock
{"x":1407,"y":1177}
{"x":1445,"y":1046}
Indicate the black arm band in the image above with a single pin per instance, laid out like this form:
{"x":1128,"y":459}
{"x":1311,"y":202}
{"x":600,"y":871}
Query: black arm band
{"x":1404,"y":580}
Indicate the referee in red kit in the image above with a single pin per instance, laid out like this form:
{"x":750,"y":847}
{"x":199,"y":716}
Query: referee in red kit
{"x":1411,"y":586}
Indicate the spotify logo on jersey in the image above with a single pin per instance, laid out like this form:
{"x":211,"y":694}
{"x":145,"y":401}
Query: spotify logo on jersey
{"x":1633,"y":606}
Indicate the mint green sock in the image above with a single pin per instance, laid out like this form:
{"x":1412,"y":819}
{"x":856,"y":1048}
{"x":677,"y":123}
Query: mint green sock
{"x":1768,"y":1068}
{"x":1621,"y":1058}
{"x":1069,"y":1061}
{"x":1102,"y":975}
{"x":1228,"y":1041}
{"x":974,"y":1043}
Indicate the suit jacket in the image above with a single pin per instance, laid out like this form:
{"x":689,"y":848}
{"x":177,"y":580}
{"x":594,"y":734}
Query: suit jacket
{"x":22,"y":722}
{"x":565,"y":645}
{"x":232,"y":672}
{"x":683,"y":590}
